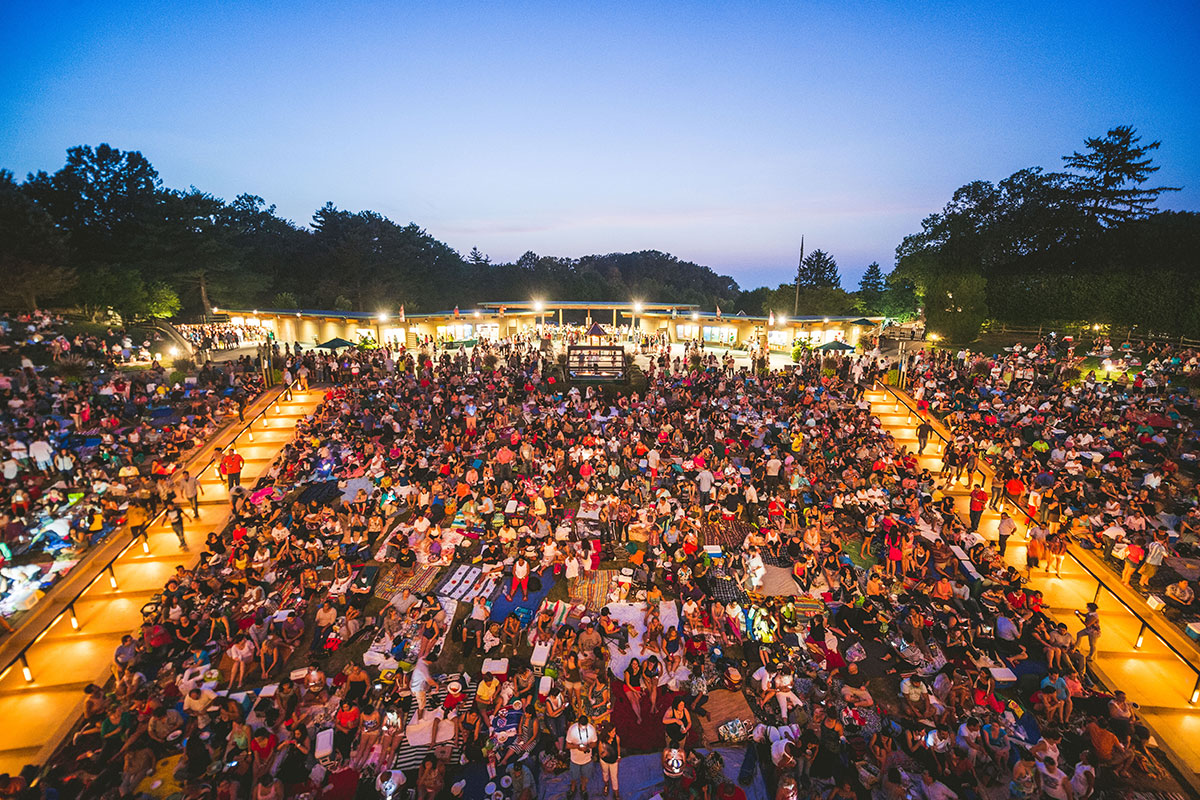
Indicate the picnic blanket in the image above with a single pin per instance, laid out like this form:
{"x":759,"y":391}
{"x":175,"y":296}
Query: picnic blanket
{"x":502,"y":606}
{"x":322,"y":492}
{"x":722,"y":706}
{"x":722,"y":588}
{"x":641,"y":777}
{"x":392,"y":581}
{"x":354,"y":484}
{"x":416,"y":743}
{"x":634,"y":614}
{"x":465,"y":583}
{"x":726,"y":533}
{"x":591,"y":588}
{"x":777,"y":582}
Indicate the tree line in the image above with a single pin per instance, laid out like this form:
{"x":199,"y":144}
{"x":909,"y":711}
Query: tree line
{"x":103,"y":234}
{"x":1082,"y":245}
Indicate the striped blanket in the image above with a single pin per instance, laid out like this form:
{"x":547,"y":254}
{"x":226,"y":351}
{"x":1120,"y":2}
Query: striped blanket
{"x":592,"y":588}
{"x":410,"y":755}
{"x":392,"y":581}
{"x":466,"y":582}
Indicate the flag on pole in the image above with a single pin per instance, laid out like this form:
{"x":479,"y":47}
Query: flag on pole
{"x":718,"y":312}
{"x":402,"y":312}
{"x":456,"y":314}
{"x":772,"y":321}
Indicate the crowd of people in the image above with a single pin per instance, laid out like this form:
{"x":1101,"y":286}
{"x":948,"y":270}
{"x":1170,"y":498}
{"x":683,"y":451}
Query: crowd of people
{"x":77,"y":447}
{"x":761,"y":585}
{"x":1110,"y":464}
{"x":222,"y":335}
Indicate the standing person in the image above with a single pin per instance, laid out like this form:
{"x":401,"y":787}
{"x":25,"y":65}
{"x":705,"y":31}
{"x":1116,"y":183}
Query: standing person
{"x":189,"y":485}
{"x":138,"y":518}
{"x":420,"y":683}
{"x":674,"y":759}
{"x":1134,"y":553}
{"x":520,"y":578}
{"x":581,"y":741}
{"x":1156,"y":551}
{"x":174,"y":516}
{"x":1004,"y":529}
{"x":1091,"y":628}
{"x":610,"y":760}
{"x":978,"y":499}
{"x":923,"y":431}
{"x":231,"y":467}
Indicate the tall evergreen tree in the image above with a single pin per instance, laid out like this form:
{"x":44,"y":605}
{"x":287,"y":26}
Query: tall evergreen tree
{"x":1110,"y":173}
{"x":872,"y":282}
{"x":819,"y":271}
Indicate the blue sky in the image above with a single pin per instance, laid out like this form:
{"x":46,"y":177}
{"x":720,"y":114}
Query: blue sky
{"x":719,"y":132}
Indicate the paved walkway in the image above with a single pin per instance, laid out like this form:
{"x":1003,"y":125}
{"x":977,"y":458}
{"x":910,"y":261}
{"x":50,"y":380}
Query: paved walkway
{"x":1159,"y":679}
{"x":63,"y":660}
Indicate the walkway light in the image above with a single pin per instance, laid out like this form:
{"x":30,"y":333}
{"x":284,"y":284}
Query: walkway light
{"x":25,"y":669}
{"x":74,"y":619}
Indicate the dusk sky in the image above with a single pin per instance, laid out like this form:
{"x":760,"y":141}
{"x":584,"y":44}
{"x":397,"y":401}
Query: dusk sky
{"x":719,"y":132}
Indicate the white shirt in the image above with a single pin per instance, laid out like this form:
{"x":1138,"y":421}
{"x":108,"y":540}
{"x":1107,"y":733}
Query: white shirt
{"x":584,"y":736}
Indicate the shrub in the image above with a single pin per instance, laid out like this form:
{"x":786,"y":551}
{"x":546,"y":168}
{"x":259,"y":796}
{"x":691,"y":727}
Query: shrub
{"x":71,"y":366}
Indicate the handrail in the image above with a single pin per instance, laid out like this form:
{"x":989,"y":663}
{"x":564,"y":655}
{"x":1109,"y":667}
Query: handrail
{"x":902,"y":399}
{"x":1195,"y":694}
{"x":69,"y":607}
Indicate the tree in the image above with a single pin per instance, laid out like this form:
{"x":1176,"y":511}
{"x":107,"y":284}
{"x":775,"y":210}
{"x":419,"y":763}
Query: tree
{"x":818,"y":270}
{"x":99,"y":198}
{"x":161,"y":301}
{"x":285,"y":300}
{"x":871,"y":287}
{"x":956,"y":306}
{"x":1110,"y":173}
{"x":477,"y":259}
{"x":32,"y":251}
{"x":900,"y":300}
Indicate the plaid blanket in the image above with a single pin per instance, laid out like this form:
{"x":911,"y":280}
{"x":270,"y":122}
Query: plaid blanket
{"x":591,"y":588}
{"x":392,"y":582}
{"x":725,"y":590}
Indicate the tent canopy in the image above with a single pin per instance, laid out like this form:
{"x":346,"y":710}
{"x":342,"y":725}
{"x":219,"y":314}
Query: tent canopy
{"x":835,"y":347}
{"x":863,"y":321}
{"x":335,"y":343}
{"x":596,"y":330}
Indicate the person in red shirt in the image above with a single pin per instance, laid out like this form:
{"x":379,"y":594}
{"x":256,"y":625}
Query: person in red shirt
{"x":231,"y":467}
{"x":1015,"y":489}
{"x":978,"y":500}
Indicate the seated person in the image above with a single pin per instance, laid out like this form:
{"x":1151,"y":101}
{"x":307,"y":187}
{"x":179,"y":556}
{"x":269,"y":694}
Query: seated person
{"x":1180,"y":597}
